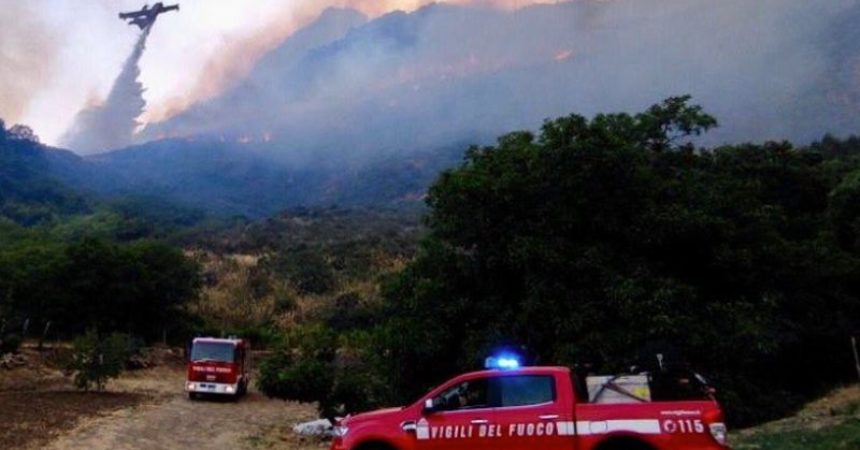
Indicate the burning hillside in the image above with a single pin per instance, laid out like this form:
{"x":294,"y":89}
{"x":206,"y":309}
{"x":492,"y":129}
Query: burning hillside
{"x":444,"y":73}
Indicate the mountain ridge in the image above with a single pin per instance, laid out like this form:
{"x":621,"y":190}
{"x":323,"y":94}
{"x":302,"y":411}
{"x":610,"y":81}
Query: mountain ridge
{"x":445,"y":72}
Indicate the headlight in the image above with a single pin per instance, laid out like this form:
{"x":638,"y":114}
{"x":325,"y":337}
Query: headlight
{"x":190,"y":386}
{"x":339,"y":431}
{"x":719,"y":432}
{"x":229,"y":389}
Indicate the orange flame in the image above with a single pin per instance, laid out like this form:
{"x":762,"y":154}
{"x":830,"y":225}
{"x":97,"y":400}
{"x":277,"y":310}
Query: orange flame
{"x":563,"y":55}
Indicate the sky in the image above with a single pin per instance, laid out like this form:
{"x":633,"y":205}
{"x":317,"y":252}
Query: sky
{"x":58,"y":57}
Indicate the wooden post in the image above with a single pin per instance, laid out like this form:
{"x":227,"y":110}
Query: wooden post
{"x":856,"y":359}
{"x":44,"y":335}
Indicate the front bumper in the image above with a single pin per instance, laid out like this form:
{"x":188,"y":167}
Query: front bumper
{"x":206,"y":387}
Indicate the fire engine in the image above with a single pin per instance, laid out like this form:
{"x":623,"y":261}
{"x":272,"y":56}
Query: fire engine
{"x":218,"y":366}
{"x":507,"y":407}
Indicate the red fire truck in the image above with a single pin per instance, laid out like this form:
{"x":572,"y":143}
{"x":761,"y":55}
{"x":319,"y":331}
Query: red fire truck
{"x":218,"y":366}
{"x":508,"y":407}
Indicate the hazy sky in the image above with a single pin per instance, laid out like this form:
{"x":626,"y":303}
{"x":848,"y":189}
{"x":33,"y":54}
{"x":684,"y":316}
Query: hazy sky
{"x":57,"y":56}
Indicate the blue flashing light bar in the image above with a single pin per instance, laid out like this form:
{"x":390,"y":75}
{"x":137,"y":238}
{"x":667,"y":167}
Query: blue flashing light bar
{"x":502,"y":362}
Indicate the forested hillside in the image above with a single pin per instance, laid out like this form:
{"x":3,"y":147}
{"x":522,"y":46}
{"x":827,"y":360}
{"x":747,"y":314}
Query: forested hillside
{"x":71,"y":262}
{"x":61,"y":194}
{"x":28,"y":193}
{"x":229,"y":178}
{"x":178,"y":181}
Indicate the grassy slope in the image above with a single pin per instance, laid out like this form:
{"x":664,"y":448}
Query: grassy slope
{"x":830,"y":423}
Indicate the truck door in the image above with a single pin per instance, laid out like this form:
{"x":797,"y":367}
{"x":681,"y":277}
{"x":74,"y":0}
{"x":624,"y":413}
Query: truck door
{"x":531,"y":413}
{"x":461,"y":418}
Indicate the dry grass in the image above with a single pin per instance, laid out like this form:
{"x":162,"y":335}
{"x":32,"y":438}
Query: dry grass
{"x":42,"y":371}
{"x":826,"y":411}
{"x":281,"y":437}
{"x":229,"y":303}
{"x":831,"y":422}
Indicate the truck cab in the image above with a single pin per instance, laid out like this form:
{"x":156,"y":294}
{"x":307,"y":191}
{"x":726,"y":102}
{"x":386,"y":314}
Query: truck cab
{"x":531,"y":408}
{"x":218,"y":366}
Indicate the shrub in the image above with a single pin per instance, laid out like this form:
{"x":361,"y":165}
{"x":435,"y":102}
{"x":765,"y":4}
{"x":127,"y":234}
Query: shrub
{"x":10,"y":344}
{"x":315,"y":365}
{"x":350,"y":312}
{"x":285,"y":301}
{"x":307,"y":270}
{"x":95,"y":360}
{"x":302,"y":367}
{"x":260,"y":336}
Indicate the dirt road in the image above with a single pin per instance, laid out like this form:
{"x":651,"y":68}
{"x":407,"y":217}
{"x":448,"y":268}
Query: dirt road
{"x":171,"y":421}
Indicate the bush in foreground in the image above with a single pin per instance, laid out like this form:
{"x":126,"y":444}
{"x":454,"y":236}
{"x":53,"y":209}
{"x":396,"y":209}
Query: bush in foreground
{"x":314,"y":364}
{"x":95,"y":360}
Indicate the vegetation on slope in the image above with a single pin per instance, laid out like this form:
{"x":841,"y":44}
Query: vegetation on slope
{"x":38,"y":191}
{"x":28,"y":195}
{"x":830,"y":423}
{"x":302,"y":266}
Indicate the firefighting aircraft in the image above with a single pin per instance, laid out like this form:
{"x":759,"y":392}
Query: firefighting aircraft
{"x":146,"y":16}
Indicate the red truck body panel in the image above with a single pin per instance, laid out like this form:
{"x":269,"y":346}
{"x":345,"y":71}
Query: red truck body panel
{"x":533,"y":408}
{"x":214,"y":371}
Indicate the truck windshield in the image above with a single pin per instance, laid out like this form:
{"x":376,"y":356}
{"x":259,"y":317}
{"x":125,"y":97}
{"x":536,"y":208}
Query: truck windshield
{"x":212,"y":351}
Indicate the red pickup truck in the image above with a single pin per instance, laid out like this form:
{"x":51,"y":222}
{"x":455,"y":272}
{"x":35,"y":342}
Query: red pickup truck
{"x":532,"y":408}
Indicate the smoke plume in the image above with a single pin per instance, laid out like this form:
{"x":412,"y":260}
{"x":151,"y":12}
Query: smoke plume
{"x":770,"y":69}
{"x":112,"y":124}
{"x":26,"y":58}
{"x":237,"y":57}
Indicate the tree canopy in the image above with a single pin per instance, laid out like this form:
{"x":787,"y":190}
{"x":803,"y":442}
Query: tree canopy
{"x":140,"y":288}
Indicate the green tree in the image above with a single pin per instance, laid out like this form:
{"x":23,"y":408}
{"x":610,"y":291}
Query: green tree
{"x":95,"y":360}
{"x":140,"y":289}
{"x":845,"y":212}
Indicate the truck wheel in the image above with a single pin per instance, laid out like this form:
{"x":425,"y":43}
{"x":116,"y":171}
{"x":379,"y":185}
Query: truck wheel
{"x":192,"y":396}
{"x":624,"y":444}
{"x":375,"y":446}
{"x":238,"y":394}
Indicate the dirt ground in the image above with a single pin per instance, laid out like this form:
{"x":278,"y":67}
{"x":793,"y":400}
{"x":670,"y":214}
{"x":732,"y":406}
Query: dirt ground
{"x":178,"y":423}
{"x":144,"y":409}
{"x":32,"y":419}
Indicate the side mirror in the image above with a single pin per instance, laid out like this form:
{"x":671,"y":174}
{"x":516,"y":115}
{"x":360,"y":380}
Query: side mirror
{"x":429,"y":407}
